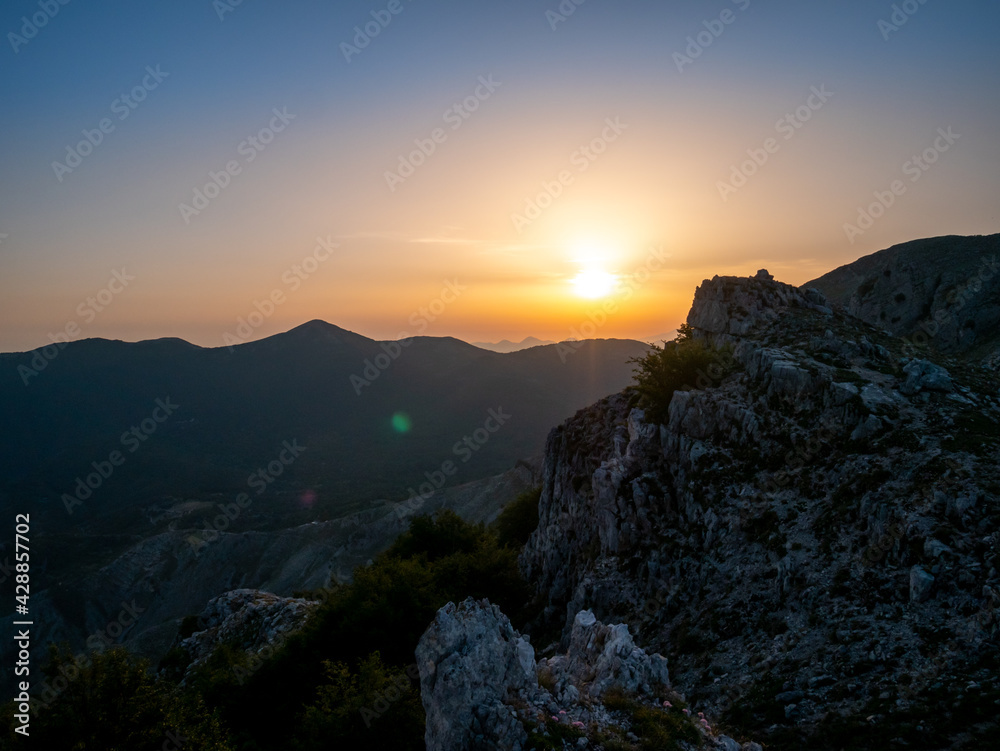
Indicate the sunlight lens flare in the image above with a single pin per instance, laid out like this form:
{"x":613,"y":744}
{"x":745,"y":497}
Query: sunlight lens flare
{"x":401,"y":422}
{"x":594,"y":283}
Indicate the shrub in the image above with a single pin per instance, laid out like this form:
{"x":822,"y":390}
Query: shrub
{"x":518,"y":519}
{"x":384,"y":610}
{"x":374,"y":707}
{"x":685,"y":363}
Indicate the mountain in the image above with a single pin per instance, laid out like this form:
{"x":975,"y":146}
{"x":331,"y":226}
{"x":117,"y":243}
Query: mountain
{"x":941,"y":293}
{"x":164,"y":473}
{"x":798,"y":542}
{"x":505,"y":345}
{"x":810,"y":536}
{"x":364,"y":419}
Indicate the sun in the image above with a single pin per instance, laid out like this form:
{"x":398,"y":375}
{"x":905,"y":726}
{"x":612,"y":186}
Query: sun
{"x":594,"y":283}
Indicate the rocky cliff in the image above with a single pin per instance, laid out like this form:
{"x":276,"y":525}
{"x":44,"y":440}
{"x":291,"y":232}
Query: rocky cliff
{"x":811,"y":537}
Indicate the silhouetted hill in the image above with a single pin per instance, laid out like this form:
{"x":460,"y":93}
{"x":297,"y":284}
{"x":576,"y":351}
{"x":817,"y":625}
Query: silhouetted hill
{"x":374,"y":417}
{"x":941,"y":292}
{"x":506,"y":345}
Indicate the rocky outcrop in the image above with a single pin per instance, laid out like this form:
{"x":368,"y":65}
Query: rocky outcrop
{"x":600,"y":658}
{"x":472,"y":665}
{"x":727,"y":307}
{"x":924,"y":376}
{"x":483,"y":690}
{"x":247,"y":620}
{"x":809,"y":534}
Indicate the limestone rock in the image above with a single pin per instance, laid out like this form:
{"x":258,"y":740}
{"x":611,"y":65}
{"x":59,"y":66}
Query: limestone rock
{"x":471,"y":660}
{"x":778,"y":520}
{"x":602,"y":656}
{"x":482,"y":689}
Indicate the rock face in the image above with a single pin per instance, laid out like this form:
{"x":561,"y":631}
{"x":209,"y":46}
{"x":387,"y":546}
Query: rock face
{"x":472,"y":663}
{"x":943,"y":292}
{"x":726,"y":307}
{"x":818,"y":529}
{"x":480,"y":687}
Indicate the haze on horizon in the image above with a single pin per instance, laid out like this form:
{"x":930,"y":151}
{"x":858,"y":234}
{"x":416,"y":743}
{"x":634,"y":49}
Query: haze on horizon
{"x":512,"y":166}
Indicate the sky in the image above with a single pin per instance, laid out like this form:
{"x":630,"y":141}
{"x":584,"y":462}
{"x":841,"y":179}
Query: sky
{"x":224,"y":171}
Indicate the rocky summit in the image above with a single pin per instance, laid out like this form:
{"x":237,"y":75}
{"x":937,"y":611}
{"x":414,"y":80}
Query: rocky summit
{"x":810,"y":537}
{"x":801,"y":553}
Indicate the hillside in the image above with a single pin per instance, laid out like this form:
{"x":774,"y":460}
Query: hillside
{"x":273,"y":452}
{"x":941,"y":293}
{"x":236,"y":409}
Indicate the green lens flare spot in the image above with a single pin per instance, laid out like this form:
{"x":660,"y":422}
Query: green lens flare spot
{"x":401,"y":422}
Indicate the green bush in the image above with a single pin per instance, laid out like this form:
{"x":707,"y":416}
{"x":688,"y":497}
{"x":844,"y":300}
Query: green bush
{"x":346,"y":679}
{"x":683,"y":364}
{"x":444,"y":534}
{"x":518,"y":519}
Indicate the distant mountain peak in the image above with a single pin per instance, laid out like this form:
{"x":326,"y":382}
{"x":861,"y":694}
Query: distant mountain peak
{"x":316,"y":325}
{"x":506,"y":345}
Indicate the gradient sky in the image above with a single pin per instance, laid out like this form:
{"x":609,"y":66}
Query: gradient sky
{"x":648,"y":210}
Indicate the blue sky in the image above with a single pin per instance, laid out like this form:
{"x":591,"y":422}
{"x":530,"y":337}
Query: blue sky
{"x":324,"y":174}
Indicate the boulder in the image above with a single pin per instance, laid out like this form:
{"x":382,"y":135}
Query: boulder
{"x":922,"y":375}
